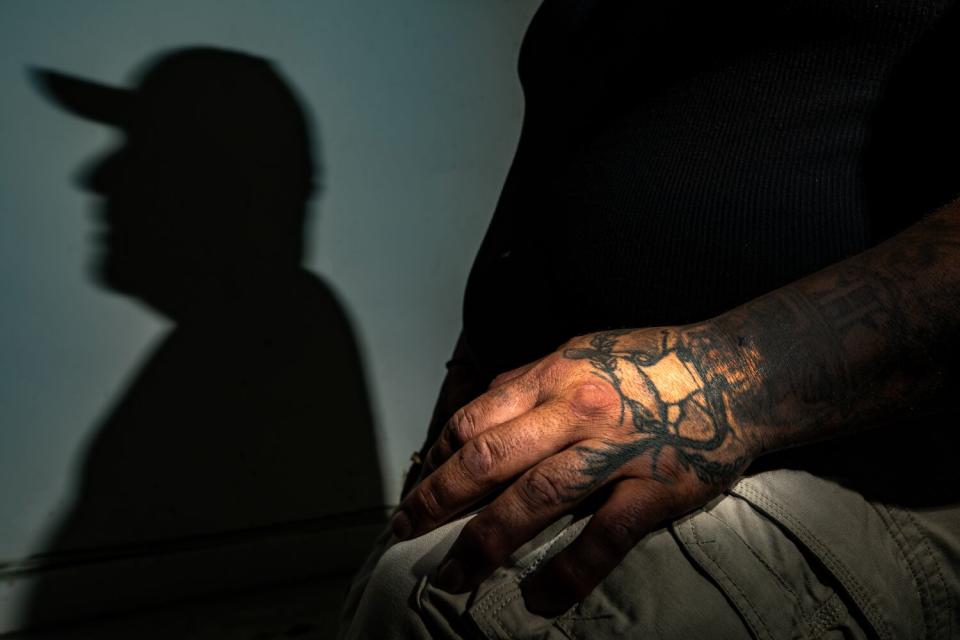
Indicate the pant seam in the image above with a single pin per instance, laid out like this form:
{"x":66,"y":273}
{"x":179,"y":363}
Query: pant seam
{"x":779,"y":578}
{"x":935,"y":604}
{"x":742,"y":596}
{"x":943,"y":602}
{"x":846,"y":577}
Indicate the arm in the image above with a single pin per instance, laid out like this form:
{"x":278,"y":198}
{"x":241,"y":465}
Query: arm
{"x":655,"y":422}
{"x":853,"y":346}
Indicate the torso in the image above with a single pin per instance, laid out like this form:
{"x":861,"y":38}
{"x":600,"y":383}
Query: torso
{"x":676,"y":162}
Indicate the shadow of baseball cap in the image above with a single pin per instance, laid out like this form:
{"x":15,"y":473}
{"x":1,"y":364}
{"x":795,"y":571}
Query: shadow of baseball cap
{"x":201,"y":101}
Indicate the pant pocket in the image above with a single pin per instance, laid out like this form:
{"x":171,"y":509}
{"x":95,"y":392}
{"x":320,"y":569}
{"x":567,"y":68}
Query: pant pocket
{"x":773,"y":583}
{"x":802,"y":557}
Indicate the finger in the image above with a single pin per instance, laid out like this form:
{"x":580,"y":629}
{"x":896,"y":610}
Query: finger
{"x":434,"y":458}
{"x":491,"y":409}
{"x":484,"y":463}
{"x":535,"y":500}
{"x":507,"y":376}
{"x":635,"y":507}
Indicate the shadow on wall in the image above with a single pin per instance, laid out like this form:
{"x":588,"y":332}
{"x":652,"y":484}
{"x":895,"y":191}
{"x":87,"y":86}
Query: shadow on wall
{"x":253,"y":411}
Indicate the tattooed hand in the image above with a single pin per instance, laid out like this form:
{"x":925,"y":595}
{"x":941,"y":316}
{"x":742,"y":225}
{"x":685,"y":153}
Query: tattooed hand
{"x":642,"y":426}
{"x":638,"y":421}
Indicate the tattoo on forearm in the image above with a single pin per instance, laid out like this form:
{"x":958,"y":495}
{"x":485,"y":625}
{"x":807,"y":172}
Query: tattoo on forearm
{"x":854,"y":344}
{"x":850,"y":303}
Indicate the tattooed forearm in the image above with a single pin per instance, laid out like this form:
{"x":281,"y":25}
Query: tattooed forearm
{"x":854,"y":345}
{"x":849,"y":347}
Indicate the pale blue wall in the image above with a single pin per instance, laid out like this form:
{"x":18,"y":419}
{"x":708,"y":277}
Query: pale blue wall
{"x":418,"y":109}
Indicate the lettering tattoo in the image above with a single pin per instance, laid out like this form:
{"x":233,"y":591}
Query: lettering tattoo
{"x":851,"y":303}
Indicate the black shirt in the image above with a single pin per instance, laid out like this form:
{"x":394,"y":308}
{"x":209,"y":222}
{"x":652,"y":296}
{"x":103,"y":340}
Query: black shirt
{"x":680,"y":158}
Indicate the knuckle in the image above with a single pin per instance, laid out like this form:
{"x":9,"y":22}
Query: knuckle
{"x":541,"y":488}
{"x":502,"y":378}
{"x":429,"y":503}
{"x":435,"y":457}
{"x":480,"y":456}
{"x":656,"y":503}
{"x":673,"y":474}
{"x":461,"y":427}
{"x":591,"y":400}
{"x":550,"y":373}
{"x":647,"y":494}
{"x":619,"y":532}
{"x":556,"y":367}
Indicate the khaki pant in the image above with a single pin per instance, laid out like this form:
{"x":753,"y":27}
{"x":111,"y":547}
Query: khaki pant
{"x":784,"y":554}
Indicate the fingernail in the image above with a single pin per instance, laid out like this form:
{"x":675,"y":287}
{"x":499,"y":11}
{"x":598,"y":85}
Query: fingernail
{"x":450,"y":576}
{"x":401,"y":525}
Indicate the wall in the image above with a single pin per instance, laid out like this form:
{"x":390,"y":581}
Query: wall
{"x":417,"y":109}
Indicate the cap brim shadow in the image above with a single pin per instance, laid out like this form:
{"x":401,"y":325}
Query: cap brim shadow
{"x":83,"y":98}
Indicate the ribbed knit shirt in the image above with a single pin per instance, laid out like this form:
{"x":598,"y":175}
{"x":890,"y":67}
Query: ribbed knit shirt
{"x":680,"y":158}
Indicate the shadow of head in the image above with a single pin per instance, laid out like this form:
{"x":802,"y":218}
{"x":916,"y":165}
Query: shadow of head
{"x":208,"y":191}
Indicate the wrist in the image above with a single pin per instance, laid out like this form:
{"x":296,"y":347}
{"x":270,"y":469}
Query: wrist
{"x":730,"y":360}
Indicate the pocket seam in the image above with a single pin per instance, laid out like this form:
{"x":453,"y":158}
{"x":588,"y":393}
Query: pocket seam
{"x":747,"y":603}
{"x":766,"y":565}
{"x":834,"y":564}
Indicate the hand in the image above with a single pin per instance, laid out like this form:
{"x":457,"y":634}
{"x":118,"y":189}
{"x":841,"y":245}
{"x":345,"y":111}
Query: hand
{"x":638,"y":421}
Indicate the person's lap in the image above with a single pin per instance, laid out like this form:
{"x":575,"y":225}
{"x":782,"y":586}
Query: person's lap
{"x":783,"y":554}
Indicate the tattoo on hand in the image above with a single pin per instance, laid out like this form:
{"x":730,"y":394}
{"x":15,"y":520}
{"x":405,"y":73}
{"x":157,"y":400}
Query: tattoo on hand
{"x":690,"y":419}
